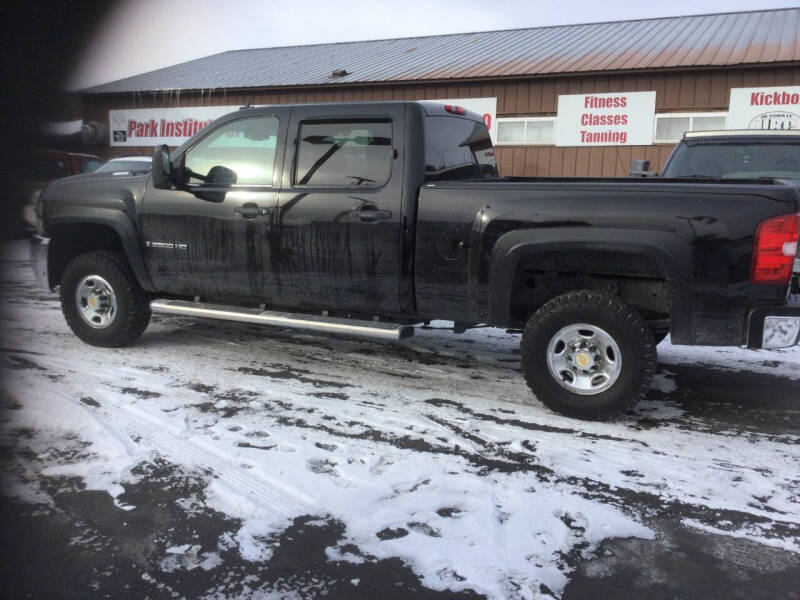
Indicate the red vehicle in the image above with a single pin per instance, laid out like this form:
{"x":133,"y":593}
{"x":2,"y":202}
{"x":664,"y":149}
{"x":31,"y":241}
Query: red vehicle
{"x":46,"y":166}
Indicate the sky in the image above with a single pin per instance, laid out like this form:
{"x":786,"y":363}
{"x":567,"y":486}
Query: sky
{"x":144,"y":35}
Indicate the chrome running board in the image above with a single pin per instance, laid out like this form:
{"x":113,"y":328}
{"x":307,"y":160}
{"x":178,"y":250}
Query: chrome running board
{"x":376,"y":329}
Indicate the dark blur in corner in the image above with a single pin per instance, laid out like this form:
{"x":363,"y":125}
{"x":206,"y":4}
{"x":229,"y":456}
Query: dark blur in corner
{"x":41,"y":43}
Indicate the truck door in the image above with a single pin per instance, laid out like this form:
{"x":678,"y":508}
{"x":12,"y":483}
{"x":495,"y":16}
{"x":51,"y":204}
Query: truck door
{"x":208,"y":237}
{"x":338,"y":227}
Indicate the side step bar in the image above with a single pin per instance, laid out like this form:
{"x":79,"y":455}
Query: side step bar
{"x":387,"y":331}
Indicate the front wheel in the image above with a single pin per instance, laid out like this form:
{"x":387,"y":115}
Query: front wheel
{"x":102,"y":301}
{"x":588,"y":355}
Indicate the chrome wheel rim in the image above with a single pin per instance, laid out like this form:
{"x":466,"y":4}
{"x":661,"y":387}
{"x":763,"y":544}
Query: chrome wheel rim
{"x":584,"y":359}
{"x":96,"y":301}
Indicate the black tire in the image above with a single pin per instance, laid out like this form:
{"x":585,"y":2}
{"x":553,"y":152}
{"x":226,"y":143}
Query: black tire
{"x":622,"y":322}
{"x":132,"y":304}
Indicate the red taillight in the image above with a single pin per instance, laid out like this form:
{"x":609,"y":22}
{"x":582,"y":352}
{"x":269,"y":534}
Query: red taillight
{"x":456,"y":110}
{"x":775,"y":249}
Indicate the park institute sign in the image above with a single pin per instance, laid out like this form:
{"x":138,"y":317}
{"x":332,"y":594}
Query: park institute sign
{"x":154,"y":126}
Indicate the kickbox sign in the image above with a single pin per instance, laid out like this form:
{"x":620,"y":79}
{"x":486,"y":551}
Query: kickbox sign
{"x":154,"y":126}
{"x":764,"y":108}
{"x":616,"y":119}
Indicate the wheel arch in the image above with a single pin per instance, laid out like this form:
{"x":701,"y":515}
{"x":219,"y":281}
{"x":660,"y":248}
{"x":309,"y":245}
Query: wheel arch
{"x":592,"y":252}
{"x":71,"y":236}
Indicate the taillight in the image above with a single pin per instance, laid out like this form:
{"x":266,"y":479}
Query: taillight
{"x":456,"y":110}
{"x":775,"y":249}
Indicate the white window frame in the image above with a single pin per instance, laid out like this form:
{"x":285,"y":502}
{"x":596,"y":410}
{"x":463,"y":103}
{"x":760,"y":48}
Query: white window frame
{"x":690,"y":115}
{"x":525,"y":132}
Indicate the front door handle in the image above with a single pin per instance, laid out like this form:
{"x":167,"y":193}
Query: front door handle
{"x":249,"y":210}
{"x":369,"y":213}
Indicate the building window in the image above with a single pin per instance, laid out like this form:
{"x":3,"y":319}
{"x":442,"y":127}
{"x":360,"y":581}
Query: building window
{"x":670,"y":127}
{"x":525,"y":130}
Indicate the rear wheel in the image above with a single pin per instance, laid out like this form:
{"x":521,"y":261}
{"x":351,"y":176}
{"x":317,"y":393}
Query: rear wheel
{"x":102,"y":301}
{"x":588,"y":355}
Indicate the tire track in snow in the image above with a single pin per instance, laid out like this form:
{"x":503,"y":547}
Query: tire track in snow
{"x":266,"y":492}
{"x":145,"y":431}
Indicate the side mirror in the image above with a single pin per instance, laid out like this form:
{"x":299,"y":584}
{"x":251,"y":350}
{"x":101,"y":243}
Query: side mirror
{"x":221,"y":176}
{"x":162,"y":168}
{"x":640,"y":168}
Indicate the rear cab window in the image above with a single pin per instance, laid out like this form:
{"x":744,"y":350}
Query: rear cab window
{"x":458,"y":148}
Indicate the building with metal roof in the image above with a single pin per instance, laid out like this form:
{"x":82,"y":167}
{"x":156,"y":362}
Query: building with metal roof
{"x":685,"y":67}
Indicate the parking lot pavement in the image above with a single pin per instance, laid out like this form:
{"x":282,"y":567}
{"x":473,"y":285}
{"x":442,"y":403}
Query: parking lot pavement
{"x":223,"y":460}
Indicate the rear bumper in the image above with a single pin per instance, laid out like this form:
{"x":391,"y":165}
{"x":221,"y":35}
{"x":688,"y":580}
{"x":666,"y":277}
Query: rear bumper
{"x":39,"y":251}
{"x":773,"y":327}
{"x":796,"y":277}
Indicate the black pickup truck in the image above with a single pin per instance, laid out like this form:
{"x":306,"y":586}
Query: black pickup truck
{"x":367,"y":218}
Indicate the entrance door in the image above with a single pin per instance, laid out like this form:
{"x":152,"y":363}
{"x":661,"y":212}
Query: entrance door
{"x":338,"y":228}
{"x":209,"y":237}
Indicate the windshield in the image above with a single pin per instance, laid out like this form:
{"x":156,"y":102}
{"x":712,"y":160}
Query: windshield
{"x":778,"y":159}
{"x":137,"y":166}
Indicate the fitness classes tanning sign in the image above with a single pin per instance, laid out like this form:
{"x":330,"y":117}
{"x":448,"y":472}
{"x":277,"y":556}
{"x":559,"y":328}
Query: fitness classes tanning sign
{"x":617,"y":119}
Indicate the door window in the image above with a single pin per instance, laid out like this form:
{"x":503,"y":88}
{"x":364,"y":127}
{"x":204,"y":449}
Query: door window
{"x":344,"y":154}
{"x":239,"y":153}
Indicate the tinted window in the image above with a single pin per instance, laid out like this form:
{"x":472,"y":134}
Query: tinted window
{"x":50,"y":168}
{"x":132,"y":166}
{"x":344,"y":154}
{"x":736,"y":160}
{"x":239,"y":153}
{"x":90,"y":164}
{"x":457,"y":149}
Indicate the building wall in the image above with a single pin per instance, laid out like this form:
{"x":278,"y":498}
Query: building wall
{"x":697,"y":90}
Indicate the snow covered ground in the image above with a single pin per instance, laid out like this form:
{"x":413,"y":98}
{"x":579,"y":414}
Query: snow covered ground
{"x":431,"y":450}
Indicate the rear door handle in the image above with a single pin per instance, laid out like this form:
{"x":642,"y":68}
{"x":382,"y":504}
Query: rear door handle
{"x":369,"y":213}
{"x":250,"y":210}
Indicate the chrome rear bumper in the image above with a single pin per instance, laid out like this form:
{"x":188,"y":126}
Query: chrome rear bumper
{"x":774,"y":327}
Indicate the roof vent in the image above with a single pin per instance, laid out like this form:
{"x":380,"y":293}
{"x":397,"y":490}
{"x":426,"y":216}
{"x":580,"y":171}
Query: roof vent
{"x":339,"y":73}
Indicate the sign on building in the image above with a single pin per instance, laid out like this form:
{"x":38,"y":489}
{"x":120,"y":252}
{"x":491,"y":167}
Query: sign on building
{"x":486,"y":107}
{"x":154,"y":126}
{"x":616,"y":119}
{"x":764,"y":108}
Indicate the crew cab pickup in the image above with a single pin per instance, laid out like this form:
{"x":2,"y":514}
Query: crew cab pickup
{"x":367,"y":218}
